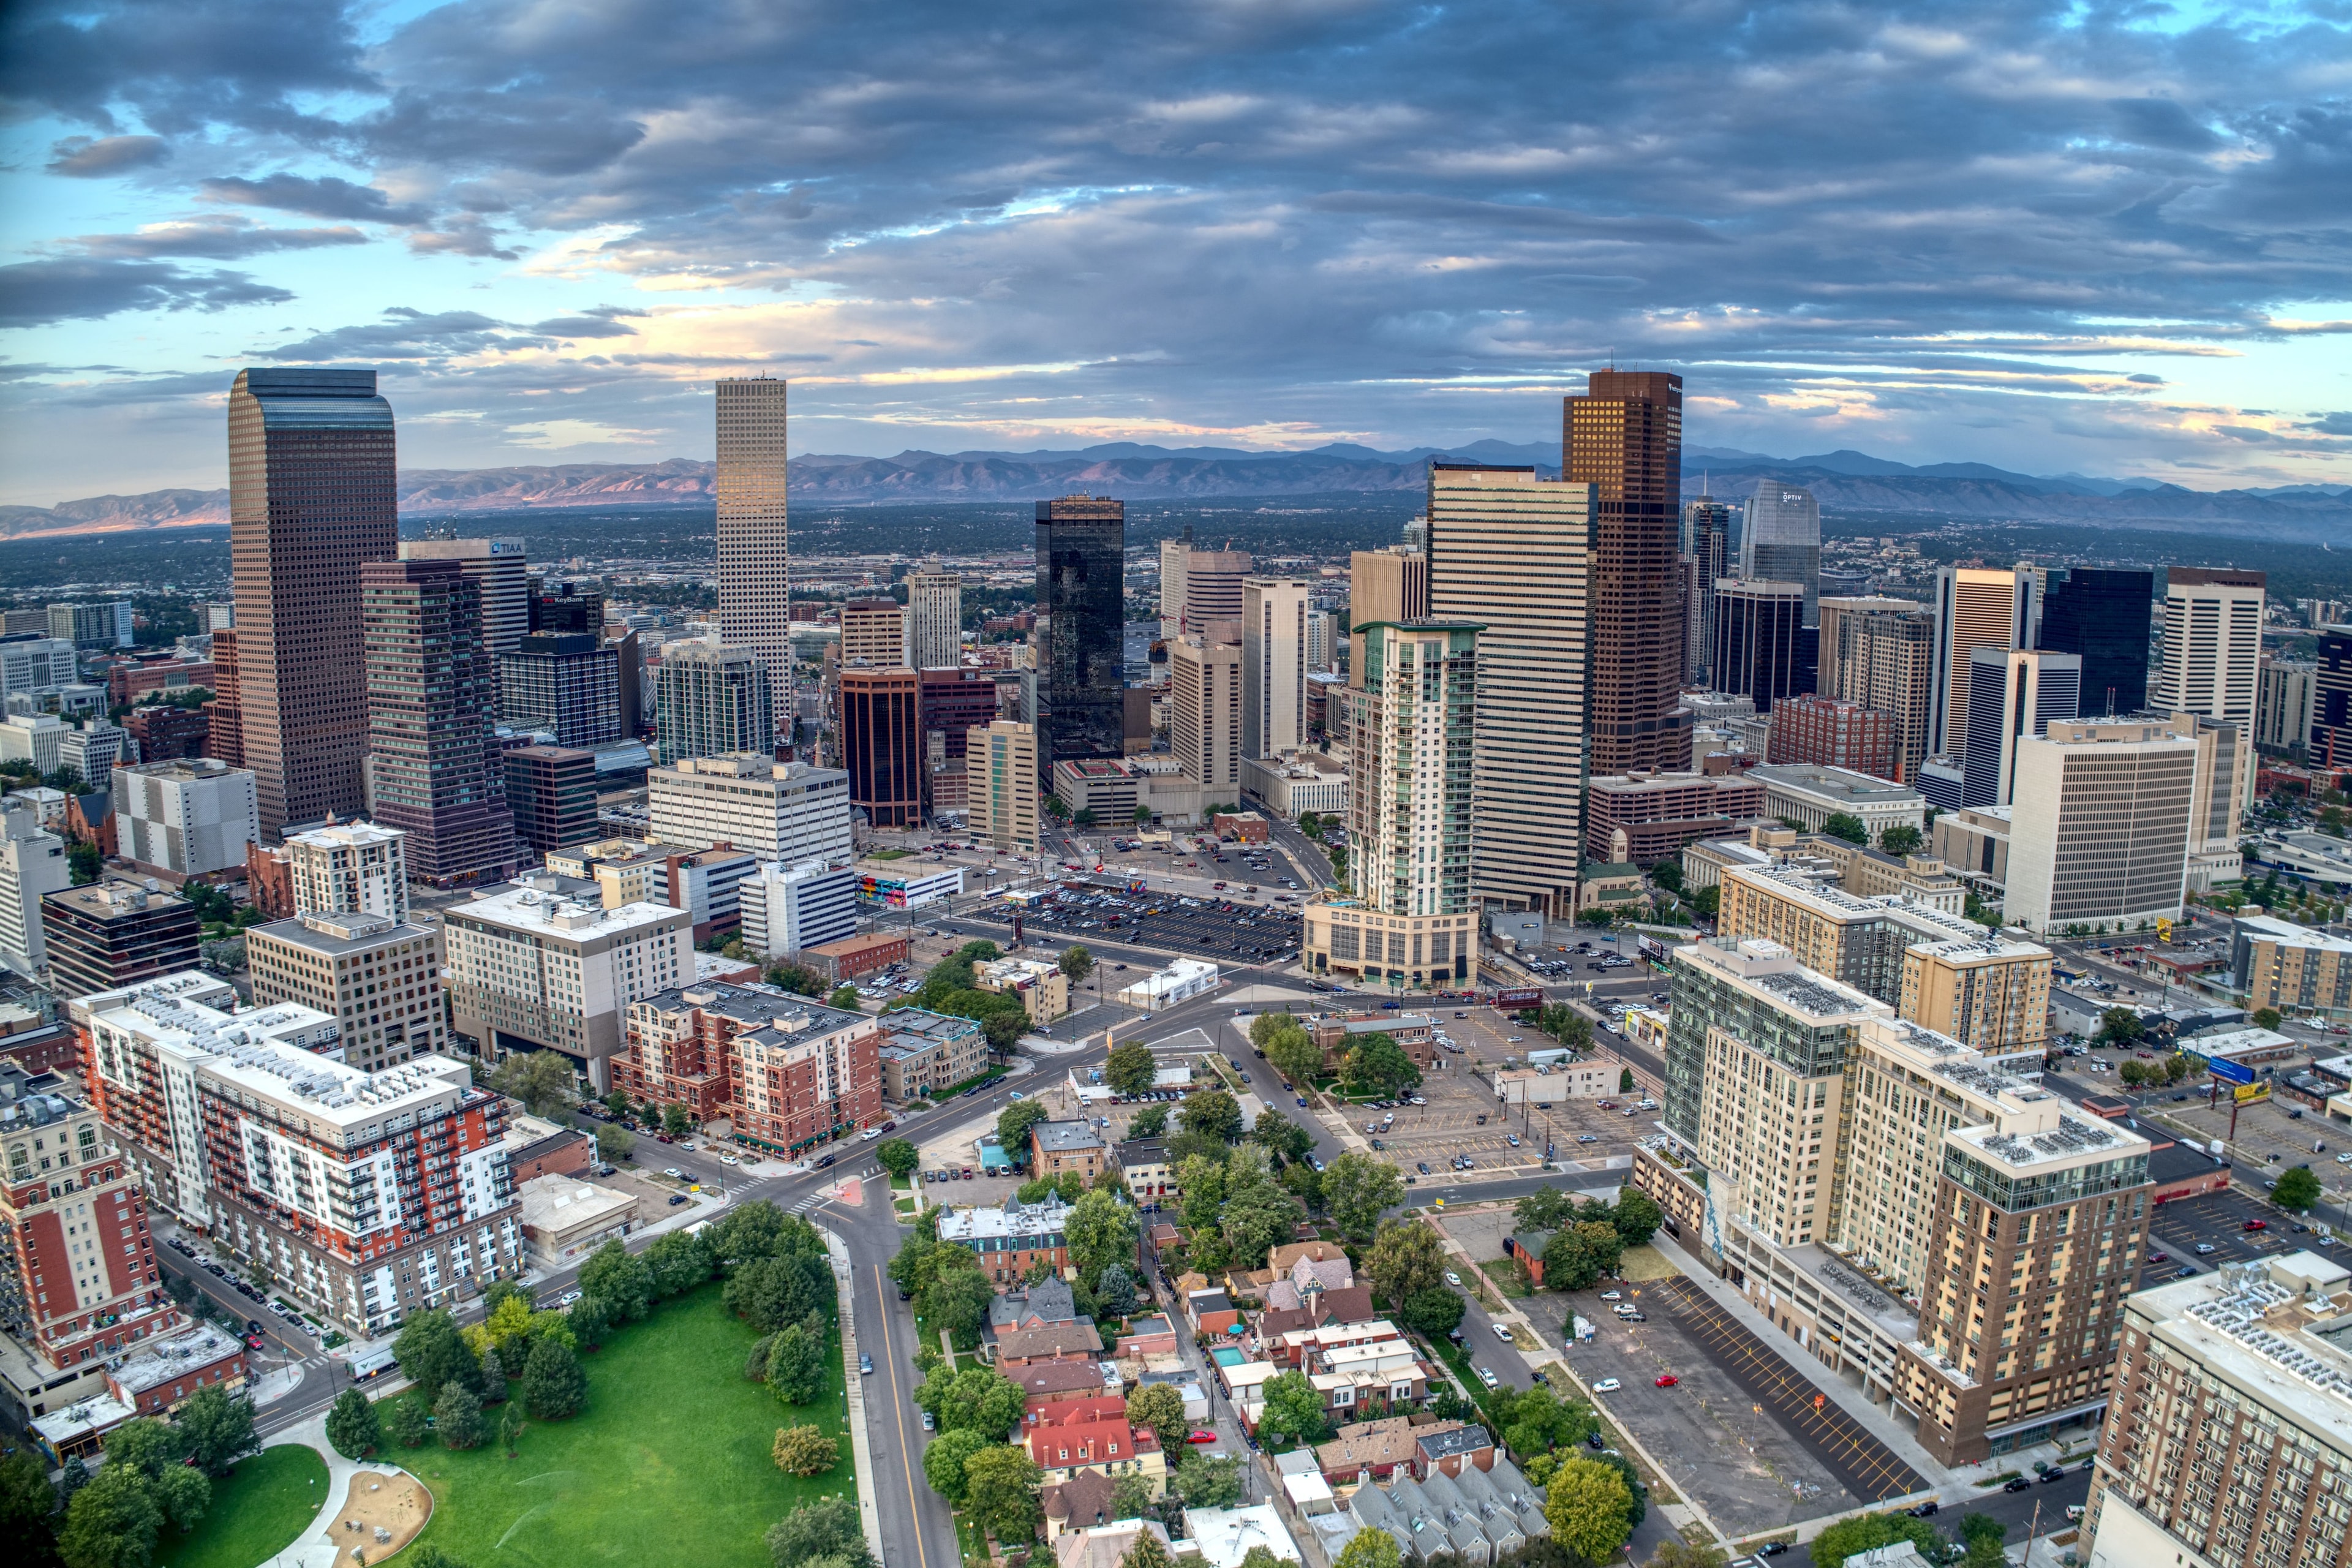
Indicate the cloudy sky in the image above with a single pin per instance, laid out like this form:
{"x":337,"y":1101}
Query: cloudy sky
{"x":2103,"y":239}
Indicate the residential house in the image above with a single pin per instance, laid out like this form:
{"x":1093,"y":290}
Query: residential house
{"x":1081,"y":1504}
{"x":1058,"y":1146}
{"x":1223,"y":1536}
{"x":1143,"y":1164}
{"x":1062,"y":1342}
{"x":1449,"y":1447}
{"x":1529,"y":1251}
{"x":1382,"y":1374}
{"x":1188,"y":1385}
{"x":1104,"y":1545}
{"x":1010,"y":1239}
{"x":1146,"y":1337}
{"x":1352,"y":1305}
{"x":1104,"y":1443}
{"x":1058,"y":1382}
{"x":1037,"y":1306}
{"x":1369,"y":1451}
{"x":1211,"y":1312}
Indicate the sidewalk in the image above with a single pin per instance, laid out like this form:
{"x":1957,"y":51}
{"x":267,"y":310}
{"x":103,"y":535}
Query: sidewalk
{"x":868,"y":1514}
{"x":316,"y":1547}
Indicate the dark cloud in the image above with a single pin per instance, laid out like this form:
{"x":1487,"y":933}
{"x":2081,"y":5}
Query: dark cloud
{"x":327,"y":196}
{"x":216,"y":236}
{"x":604,"y":322}
{"x":465,"y":234}
{"x":91,"y":158}
{"x":81,"y":289}
{"x":2335,"y":423}
{"x":403,"y":333}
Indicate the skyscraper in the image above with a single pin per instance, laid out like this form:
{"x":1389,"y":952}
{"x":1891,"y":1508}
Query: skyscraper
{"x":2102,"y":824}
{"x":1001,"y":771}
{"x":1880,"y":652}
{"x":431,"y":686}
{"x":500,"y":569}
{"x":1512,"y":553}
{"x":310,"y":499}
{"x":2283,"y":714}
{"x":711,"y":700}
{"x":2212,"y":642}
{"x":1974,"y":607}
{"x":934,"y":618}
{"x":2103,"y":616}
{"x":1624,"y":437}
{"x":1173,"y":554}
{"x":1212,"y":588}
{"x":1205,"y":711}
{"x":2331,"y":700}
{"x":2012,"y":696}
{"x":754,"y":587}
{"x":1757,"y":628}
{"x":882,"y":745}
{"x":567,"y":683}
{"x":1411,"y":789}
{"x":1082,"y":695}
{"x":1389,"y":585}
{"x":1705,"y":539}
{"x":1273,"y":664}
{"x":874,"y":632}
{"x":1781,"y":541}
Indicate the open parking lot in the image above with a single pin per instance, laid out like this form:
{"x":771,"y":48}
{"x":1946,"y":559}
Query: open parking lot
{"x":2218,"y":1220}
{"x":1233,"y":930}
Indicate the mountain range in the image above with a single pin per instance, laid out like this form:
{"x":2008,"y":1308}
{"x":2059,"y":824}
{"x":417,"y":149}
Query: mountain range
{"x":1844,"y":480}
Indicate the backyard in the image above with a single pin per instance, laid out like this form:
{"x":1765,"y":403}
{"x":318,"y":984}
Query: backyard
{"x":669,"y":1463}
{"x":257,"y":1511}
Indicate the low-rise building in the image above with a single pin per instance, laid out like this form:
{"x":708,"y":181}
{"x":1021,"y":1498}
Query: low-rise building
{"x":1555,"y":1085}
{"x":1297,"y":783}
{"x":1093,"y":1435}
{"x":790,"y":1073}
{"x":379,"y":978}
{"x":1060,"y":1148}
{"x":158,"y":1378}
{"x":1043,"y":988}
{"x":1810,"y":793}
{"x":789,"y":908}
{"x":1150,"y":1174}
{"x":908,"y":885}
{"x":851,"y":956}
{"x":1012,"y":1237}
{"x":2296,"y":968}
{"x":564,"y":1219}
{"x":114,"y":934}
{"x":923,"y":1053}
{"x":1644,"y":817}
{"x":1183,"y":979}
{"x":1225,"y":1536}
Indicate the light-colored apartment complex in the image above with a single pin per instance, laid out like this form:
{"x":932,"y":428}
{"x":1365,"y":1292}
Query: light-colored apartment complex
{"x":1001,"y":785}
{"x":1990,"y":992}
{"x":2288,"y":699}
{"x":33,"y":865}
{"x":378,"y":978}
{"x":1411,"y":781}
{"x":1274,"y":612}
{"x":1511,"y":552}
{"x":186,"y":817}
{"x":2299,"y":970}
{"x":350,"y":867}
{"x":754,"y":554}
{"x":710,"y":700}
{"x":1205,"y":703}
{"x":1860,"y":940}
{"x":778,"y":811}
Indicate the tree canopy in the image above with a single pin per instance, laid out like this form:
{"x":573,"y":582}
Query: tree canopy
{"x":1356,"y":1189}
{"x":1378,"y":1065}
{"x":1589,"y":1510}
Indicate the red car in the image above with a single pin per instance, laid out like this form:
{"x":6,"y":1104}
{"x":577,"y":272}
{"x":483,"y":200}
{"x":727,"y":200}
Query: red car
{"x":1202,"y":1436}
{"x":1668,"y":1381}
{"x":2258,"y":1225}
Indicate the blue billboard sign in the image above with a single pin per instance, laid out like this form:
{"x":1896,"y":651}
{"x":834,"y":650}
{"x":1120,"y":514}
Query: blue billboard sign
{"x":2229,"y":1071}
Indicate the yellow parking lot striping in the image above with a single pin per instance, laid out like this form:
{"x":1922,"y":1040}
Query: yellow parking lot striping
{"x":1869,"y":1467}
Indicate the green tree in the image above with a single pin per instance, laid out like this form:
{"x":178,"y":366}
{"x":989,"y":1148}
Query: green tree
{"x":27,"y":1500}
{"x":1211,"y":1113}
{"x":1846,"y":826}
{"x":796,"y":1365}
{"x":1433,"y":1312}
{"x":1012,"y":1124}
{"x":1294,"y":1408}
{"x":1259,"y":1215}
{"x":1370,"y":1549}
{"x":219,"y":1426}
{"x":458,"y":1417}
{"x":823,"y":1530}
{"x":542,"y":1081}
{"x":1115,"y":1292}
{"x":511,"y":1426}
{"x":1378,"y":1065}
{"x":554,"y":1387}
{"x":1281,"y":1137}
{"x":411,"y":1423}
{"x":1546,"y":1208}
{"x":1147,"y":1552}
{"x":84,"y":863}
{"x":1161,"y":1408}
{"x":971,"y":1399}
{"x":351,"y":1425}
{"x":2121,"y":1026}
{"x":2297,"y":1191}
{"x":803,"y":1450}
{"x":1633,"y":1487}
{"x":1296,"y":1056}
{"x":1076,"y":963}
{"x":943,"y":1462}
{"x":795,"y":978}
{"x":1851,"y":1536}
{"x":1131,"y":1496}
{"x":897,"y":1156}
{"x":1981,"y":1538}
{"x":1101,"y":1230}
{"x":1148,"y":1122}
{"x":677,"y":1120}
{"x":112,"y":1523}
{"x":957,"y":1301}
{"x":1357,"y":1188}
{"x":614,"y":1142}
{"x":617,"y":1102}
{"x":590,"y":1321}
{"x":1001,"y":1493}
{"x":844,"y":999}
{"x":2265,"y":1017}
{"x":1406,"y":1259}
{"x":1199,"y":1481}
{"x":1057,"y":808}
{"x":1589,"y":1508}
{"x":679,"y":1262}
{"x":769,"y":1293}
{"x":1900,"y":839}
{"x":1637,"y":1218}
{"x":621,"y":1279}
{"x":1129,"y":1069}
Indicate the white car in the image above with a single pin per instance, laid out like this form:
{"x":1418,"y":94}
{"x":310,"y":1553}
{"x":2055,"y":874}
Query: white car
{"x":1489,"y":1378}
{"x":867,"y":1136}
{"x":728,"y":1160}
{"x":1453,"y":1278}
{"x":567,"y":1298}
{"x":1611,"y":1296}
{"x":1502,"y":1331}
{"x":673,"y":1173}
{"x":1607,"y":1385}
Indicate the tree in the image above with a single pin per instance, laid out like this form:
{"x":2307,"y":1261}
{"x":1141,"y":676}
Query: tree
{"x":2297,"y":1191}
{"x":1199,"y":1481}
{"x":1370,"y":1549}
{"x":1148,"y":1122}
{"x":796,"y":1365}
{"x":804,"y":1451}
{"x":1850,"y":1536}
{"x":542,"y":1081}
{"x":219,"y":1426}
{"x":2265,"y":1017}
{"x":1588,"y":1506}
{"x":795,"y":978}
{"x":1076,"y":963}
{"x":1012,"y":1124}
{"x":1100,"y":1231}
{"x":351,"y":1425}
{"x":897,"y":1156}
{"x":1633,"y":1487}
{"x":1001,"y":1493}
{"x":1295,"y":1055}
{"x":1161,"y":1408}
{"x":1357,"y":1188}
{"x":621,"y":1279}
{"x":614,"y":1142}
{"x":1294,"y":1408}
{"x":431,"y":1352}
{"x":511,"y":1426}
{"x":1846,"y":826}
{"x":1131,"y":1496}
{"x":411,"y":1423}
{"x":844,"y":999}
{"x":1115,"y":1292}
{"x":84,"y":862}
{"x":1406,"y":1259}
{"x":1434,"y":1312}
{"x":1900,"y":839}
{"x":2133,"y":1073}
{"x":590,"y":1321}
{"x":1638,"y":1218}
{"x":26,"y":1499}
{"x":826,"y":1529}
{"x":1281,"y":1137}
{"x":1981,"y":1538}
{"x":554,"y":1387}
{"x":1211,"y":1113}
{"x":1257,"y":1217}
{"x":1057,"y":808}
{"x":1378,"y":1065}
{"x":677,"y":1120}
{"x":1129,"y":1069}
{"x":112,"y":1523}
{"x":971,"y":1399}
{"x":1147,"y":1552}
{"x":943,"y":1462}
{"x":957,"y":1301}
{"x":458,"y":1417}
{"x":769,"y":1293}
{"x":679,"y":1261}
{"x":2121,"y":1026}
{"x":1546,"y":1208}
{"x":1535,"y":1421}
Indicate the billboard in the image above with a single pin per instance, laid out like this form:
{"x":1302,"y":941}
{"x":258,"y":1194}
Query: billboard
{"x":1519,"y":996}
{"x":2246,"y":1092}
{"x":2229,"y":1071}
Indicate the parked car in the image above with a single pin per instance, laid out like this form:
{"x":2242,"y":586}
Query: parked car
{"x":1925,"y":1509}
{"x":1607,"y":1385}
{"x":2017,"y":1484}
{"x":1667,"y":1380}
{"x":568,"y":1298}
{"x":865,"y":1363}
{"x":675,"y":1199}
{"x":1202,"y":1436}
{"x":1612,"y":1296}
{"x":1489,"y":1378}
{"x":1502,"y":1331}
{"x":1451,"y":1277}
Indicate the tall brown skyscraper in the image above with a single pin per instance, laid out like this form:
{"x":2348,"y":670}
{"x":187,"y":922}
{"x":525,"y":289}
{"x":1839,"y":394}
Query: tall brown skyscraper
{"x":755,"y":533}
{"x":431,"y":699}
{"x":310,"y":501}
{"x":1624,"y":437}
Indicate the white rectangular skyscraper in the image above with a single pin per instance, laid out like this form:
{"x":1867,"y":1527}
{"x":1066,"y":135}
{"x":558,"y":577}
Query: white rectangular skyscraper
{"x":934,"y":623}
{"x":1275,"y":615}
{"x":755,"y":592}
{"x":2212,"y":644}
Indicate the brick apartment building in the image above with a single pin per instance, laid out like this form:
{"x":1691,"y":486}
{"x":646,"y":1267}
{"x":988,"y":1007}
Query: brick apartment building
{"x":1833,"y":733}
{"x":789,"y":1072}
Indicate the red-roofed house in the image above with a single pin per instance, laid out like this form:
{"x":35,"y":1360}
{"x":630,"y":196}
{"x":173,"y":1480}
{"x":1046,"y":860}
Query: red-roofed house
{"x":1109,"y":1447}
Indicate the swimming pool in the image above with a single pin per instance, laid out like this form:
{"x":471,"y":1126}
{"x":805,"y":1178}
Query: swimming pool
{"x":1226,"y":1355}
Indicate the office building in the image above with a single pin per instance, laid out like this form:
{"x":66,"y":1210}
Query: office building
{"x":551,"y":795}
{"x":1640,"y":819}
{"x":1706,"y":546}
{"x":2212,"y":644}
{"x":1759,"y":627}
{"x":790,"y":1073}
{"x":499,"y":570}
{"x":787,"y":908}
{"x":2012,"y":696}
{"x":535,"y":967}
{"x":2102,"y":615}
{"x":2101,"y":826}
{"x":349,"y":868}
{"x":1514,"y":554}
{"x":130,"y":677}
{"x":934,"y":618}
{"x":566,"y":683}
{"x":562,"y":607}
{"x":777,"y":811}
{"x":33,"y":665}
{"x":711,"y":699}
{"x":1410,"y":782}
{"x":379,"y":980}
{"x":2331,"y":700}
{"x":1173,"y":554}
{"x":33,"y":865}
{"x":363,"y":1195}
{"x":1082,"y":685}
{"x":114,"y":934}
{"x":161,"y":733}
{"x":754,"y":560}
{"x":2288,"y":697}
{"x":2225,"y":1440}
{"x":1001,"y":785}
{"x":1213,"y":590}
{"x":432,"y":742}
{"x":1322,"y":642}
{"x":310,"y":498}
{"x":1623,"y":436}
{"x":2302,"y":972}
{"x":91,"y":749}
{"x":1274,"y":612}
{"x":225,"y":710}
{"x":1880,"y":652}
{"x":1781,"y":541}
{"x":952,"y":702}
{"x":93,"y":627}
{"x":185,"y":818}
{"x":874,"y":632}
{"x":1974,"y":607}
{"x":36,"y":738}
{"x":1204,"y":704}
{"x":1832,"y":732}
{"x":1390,"y":585}
{"x":1809,"y":795}
{"x":882,"y":743}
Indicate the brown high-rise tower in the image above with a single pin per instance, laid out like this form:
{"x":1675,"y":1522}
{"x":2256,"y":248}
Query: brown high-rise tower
{"x":1624,"y":437}
{"x":310,"y":499}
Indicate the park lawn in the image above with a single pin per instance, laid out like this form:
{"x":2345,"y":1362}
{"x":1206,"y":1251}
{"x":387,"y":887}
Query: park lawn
{"x":259,"y":1510}
{"x":667,"y":1464}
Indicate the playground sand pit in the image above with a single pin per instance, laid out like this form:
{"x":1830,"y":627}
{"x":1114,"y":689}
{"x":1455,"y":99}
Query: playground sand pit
{"x":380,"y":1515}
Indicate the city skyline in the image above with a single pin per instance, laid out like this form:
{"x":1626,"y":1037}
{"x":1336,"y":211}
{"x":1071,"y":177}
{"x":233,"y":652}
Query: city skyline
{"x":2109,"y":254}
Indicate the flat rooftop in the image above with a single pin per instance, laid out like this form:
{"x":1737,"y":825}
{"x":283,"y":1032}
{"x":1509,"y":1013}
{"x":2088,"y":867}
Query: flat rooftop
{"x":538,"y":913}
{"x":1837,"y":784}
{"x":339,"y":936}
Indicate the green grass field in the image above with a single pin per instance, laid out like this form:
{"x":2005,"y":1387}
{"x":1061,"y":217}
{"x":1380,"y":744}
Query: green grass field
{"x":258,"y":1510}
{"x":669,"y":1463}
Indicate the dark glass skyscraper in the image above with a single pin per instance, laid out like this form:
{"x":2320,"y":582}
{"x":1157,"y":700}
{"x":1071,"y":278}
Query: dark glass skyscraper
{"x":431,"y":684}
{"x":1624,"y":435}
{"x":310,"y":469}
{"x":1758,"y":632}
{"x":1081,"y":683}
{"x":2104,"y":615}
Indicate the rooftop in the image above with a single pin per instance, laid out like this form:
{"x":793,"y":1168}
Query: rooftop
{"x":2269,"y":928}
{"x":1013,"y":1218}
{"x":1836,"y":784}
{"x":339,"y":936}
{"x":2274,"y":1327}
{"x":1066,"y":1137}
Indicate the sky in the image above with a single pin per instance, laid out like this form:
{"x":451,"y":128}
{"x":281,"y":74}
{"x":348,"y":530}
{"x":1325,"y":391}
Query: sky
{"x":2108,"y":239}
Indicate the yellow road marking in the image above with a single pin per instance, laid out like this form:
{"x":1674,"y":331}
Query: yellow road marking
{"x":899,"y":1415}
